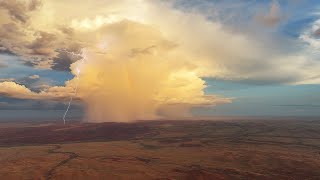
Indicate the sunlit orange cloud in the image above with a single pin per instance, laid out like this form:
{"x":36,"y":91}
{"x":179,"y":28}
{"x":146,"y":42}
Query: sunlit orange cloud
{"x":136,"y":74}
{"x":14,"y":90}
{"x":143,"y":59}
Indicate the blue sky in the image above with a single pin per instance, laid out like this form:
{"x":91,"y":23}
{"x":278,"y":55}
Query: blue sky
{"x":265,"y":100}
{"x":278,"y":26}
{"x":18,"y":70}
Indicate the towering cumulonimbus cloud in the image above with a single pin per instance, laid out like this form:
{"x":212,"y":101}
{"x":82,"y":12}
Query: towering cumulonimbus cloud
{"x":133,"y":73}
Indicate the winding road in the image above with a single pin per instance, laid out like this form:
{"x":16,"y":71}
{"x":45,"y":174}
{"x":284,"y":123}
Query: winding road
{"x":54,"y":150}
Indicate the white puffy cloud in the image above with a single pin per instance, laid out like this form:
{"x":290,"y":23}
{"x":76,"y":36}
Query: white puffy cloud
{"x":14,"y":90}
{"x":34,"y":76}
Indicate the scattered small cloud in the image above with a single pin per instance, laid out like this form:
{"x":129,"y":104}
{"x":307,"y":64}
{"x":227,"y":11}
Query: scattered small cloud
{"x":34,"y":77}
{"x":273,"y":17}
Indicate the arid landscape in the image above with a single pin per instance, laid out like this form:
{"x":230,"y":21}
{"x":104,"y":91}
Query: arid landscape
{"x":220,"y":149}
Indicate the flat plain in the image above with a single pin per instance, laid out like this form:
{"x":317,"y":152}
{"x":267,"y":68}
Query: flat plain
{"x":195,"y":150}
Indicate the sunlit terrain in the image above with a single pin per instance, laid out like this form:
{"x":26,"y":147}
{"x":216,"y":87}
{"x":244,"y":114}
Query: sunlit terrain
{"x":228,"y":149}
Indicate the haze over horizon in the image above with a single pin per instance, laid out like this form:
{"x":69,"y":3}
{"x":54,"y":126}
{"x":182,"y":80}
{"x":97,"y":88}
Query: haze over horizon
{"x":144,"y":60}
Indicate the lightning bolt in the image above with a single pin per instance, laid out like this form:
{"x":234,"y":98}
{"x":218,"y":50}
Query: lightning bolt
{"x":78,"y":71}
